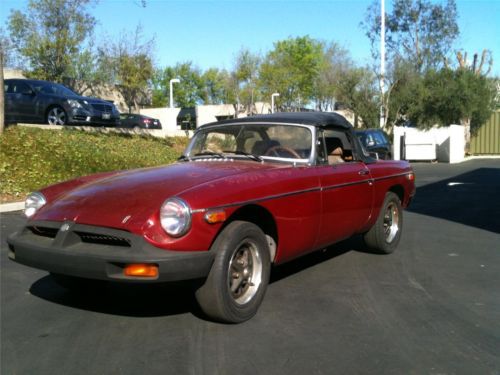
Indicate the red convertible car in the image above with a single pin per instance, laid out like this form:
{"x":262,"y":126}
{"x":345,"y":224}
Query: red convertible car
{"x":246,"y":194}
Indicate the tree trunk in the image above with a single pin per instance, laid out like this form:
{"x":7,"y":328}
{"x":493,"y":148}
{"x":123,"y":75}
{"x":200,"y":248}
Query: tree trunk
{"x":466,"y":124}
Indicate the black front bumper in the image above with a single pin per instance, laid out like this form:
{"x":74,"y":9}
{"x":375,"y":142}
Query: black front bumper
{"x":100,"y":253}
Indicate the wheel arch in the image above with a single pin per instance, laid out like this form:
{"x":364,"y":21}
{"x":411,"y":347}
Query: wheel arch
{"x":262,"y":218}
{"x":399,"y":191}
{"x":49,"y":107}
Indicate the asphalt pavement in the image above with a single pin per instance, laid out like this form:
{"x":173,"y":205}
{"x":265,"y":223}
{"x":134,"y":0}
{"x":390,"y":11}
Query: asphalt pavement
{"x":432,"y":307}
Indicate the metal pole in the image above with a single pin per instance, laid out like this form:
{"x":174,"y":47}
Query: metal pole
{"x":172,"y":81}
{"x":382,"y":61}
{"x":272,"y":101}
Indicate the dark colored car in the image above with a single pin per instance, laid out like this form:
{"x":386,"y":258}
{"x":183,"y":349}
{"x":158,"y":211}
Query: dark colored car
{"x":136,"y":121}
{"x":247,"y":193}
{"x":35,"y":101}
{"x":375,"y":141}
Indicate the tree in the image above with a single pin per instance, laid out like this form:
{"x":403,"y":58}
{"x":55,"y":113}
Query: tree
{"x":49,"y":37}
{"x":217,"y":87}
{"x":357,"y":91}
{"x":419,"y":36}
{"x":129,"y":61}
{"x":457,"y":97}
{"x":245,"y":79}
{"x":477,"y":66}
{"x":291,"y":69}
{"x":335,"y":64}
{"x":417,"y":30}
{"x":5,"y":47}
{"x":187,"y":93}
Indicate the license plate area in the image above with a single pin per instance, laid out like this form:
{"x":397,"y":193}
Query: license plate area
{"x":106,"y":116}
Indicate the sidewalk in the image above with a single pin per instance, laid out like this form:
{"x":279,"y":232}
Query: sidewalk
{"x":8,"y":207}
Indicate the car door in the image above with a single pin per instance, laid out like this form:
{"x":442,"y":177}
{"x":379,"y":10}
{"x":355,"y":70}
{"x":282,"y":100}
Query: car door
{"x":22,"y":101}
{"x":346,"y":189}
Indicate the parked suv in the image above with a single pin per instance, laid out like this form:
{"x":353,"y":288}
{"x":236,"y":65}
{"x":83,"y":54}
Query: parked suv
{"x":29,"y":100}
{"x":375,"y":141}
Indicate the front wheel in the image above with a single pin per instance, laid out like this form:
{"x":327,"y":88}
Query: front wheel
{"x":57,"y":116}
{"x":385,"y":234}
{"x":237,"y":282}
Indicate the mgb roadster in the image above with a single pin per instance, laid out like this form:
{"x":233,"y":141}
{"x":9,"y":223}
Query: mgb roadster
{"x":246,"y":194}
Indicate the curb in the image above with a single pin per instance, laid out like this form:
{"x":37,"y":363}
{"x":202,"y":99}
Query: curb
{"x":9,"y":207}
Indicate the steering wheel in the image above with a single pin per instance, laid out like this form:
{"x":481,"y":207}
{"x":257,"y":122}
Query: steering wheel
{"x":276,"y":151}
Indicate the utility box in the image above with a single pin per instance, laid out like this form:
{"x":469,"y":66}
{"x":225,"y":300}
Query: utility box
{"x":445,"y":144}
{"x":420,"y":145}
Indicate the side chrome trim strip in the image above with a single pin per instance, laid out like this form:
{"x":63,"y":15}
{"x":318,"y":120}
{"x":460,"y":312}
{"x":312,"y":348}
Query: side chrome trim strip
{"x":311,"y":190}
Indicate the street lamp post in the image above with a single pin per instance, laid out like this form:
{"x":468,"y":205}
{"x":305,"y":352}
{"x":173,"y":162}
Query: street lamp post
{"x":172,"y":81}
{"x":272,"y":101}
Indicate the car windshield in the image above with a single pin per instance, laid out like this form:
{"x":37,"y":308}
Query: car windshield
{"x":258,"y":141}
{"x":53,"y":88}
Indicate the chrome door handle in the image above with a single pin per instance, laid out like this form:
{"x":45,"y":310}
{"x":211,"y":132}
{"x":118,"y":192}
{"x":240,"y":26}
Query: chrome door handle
{"x":363,"y":172}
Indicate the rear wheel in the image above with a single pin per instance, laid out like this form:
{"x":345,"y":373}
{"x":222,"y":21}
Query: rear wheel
{"x":57,"y":116}
{"x":385,"y":234}
{"x":237,"y":282}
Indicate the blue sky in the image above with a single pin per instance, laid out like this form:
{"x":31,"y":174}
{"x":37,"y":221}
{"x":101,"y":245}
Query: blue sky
{"x":210,"y":33}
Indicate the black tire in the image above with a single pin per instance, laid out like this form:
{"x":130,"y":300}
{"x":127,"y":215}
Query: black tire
{"x":237,"y":282}
{"x":77,"y":284}
{"x":385,"y":234}
{"x":56,"y":116}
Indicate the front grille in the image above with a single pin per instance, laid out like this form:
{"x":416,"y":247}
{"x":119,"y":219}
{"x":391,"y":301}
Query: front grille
{"x":102,"y":107}
{"x":103,"y":239}
{"x":44,"y":231}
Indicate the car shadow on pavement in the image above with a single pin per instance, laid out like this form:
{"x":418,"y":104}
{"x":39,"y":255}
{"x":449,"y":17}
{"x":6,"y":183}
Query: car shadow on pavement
{"x":295,"y":266}
{"x":156,"y":300}
{"x":470,"y":199}
{"x":132,"y":300}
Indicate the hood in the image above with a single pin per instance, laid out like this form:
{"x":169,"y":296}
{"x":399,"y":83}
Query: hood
{"x":127,"y":200}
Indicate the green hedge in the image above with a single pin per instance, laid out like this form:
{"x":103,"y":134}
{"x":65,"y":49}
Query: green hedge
{"x":31,"y":158}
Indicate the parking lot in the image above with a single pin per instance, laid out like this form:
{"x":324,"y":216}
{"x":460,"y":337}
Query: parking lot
{"x":432,"y":307}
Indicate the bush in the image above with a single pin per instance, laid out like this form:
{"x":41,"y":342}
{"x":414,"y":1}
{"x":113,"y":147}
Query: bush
{"x":31,"y":158}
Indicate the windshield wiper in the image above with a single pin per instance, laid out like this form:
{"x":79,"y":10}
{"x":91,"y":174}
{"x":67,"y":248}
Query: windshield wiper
{"x":210,"y":153}
{"x":183,"y":158}
{"x":251,"y":156}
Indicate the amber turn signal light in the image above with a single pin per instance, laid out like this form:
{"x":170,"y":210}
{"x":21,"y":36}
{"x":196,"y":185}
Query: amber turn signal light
{"x":141,"y":270}
{"x":215,"y":216}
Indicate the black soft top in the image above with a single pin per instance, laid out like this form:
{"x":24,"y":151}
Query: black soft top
{"x":320,"y":119}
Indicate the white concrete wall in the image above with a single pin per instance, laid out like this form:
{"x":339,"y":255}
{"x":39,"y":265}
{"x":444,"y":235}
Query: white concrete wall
{"x":445,"y":144}
{"x":168,"y":119}
{"x":209,"y":113}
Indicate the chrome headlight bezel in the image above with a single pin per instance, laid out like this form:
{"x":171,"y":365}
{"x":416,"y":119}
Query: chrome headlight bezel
{"x":175,"y":217}
{"x":33,"y":203}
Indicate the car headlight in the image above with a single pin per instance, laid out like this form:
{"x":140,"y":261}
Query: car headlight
{"x":175,"y":217}
{"x":33,"y":203}
{"x":74,"y":103}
